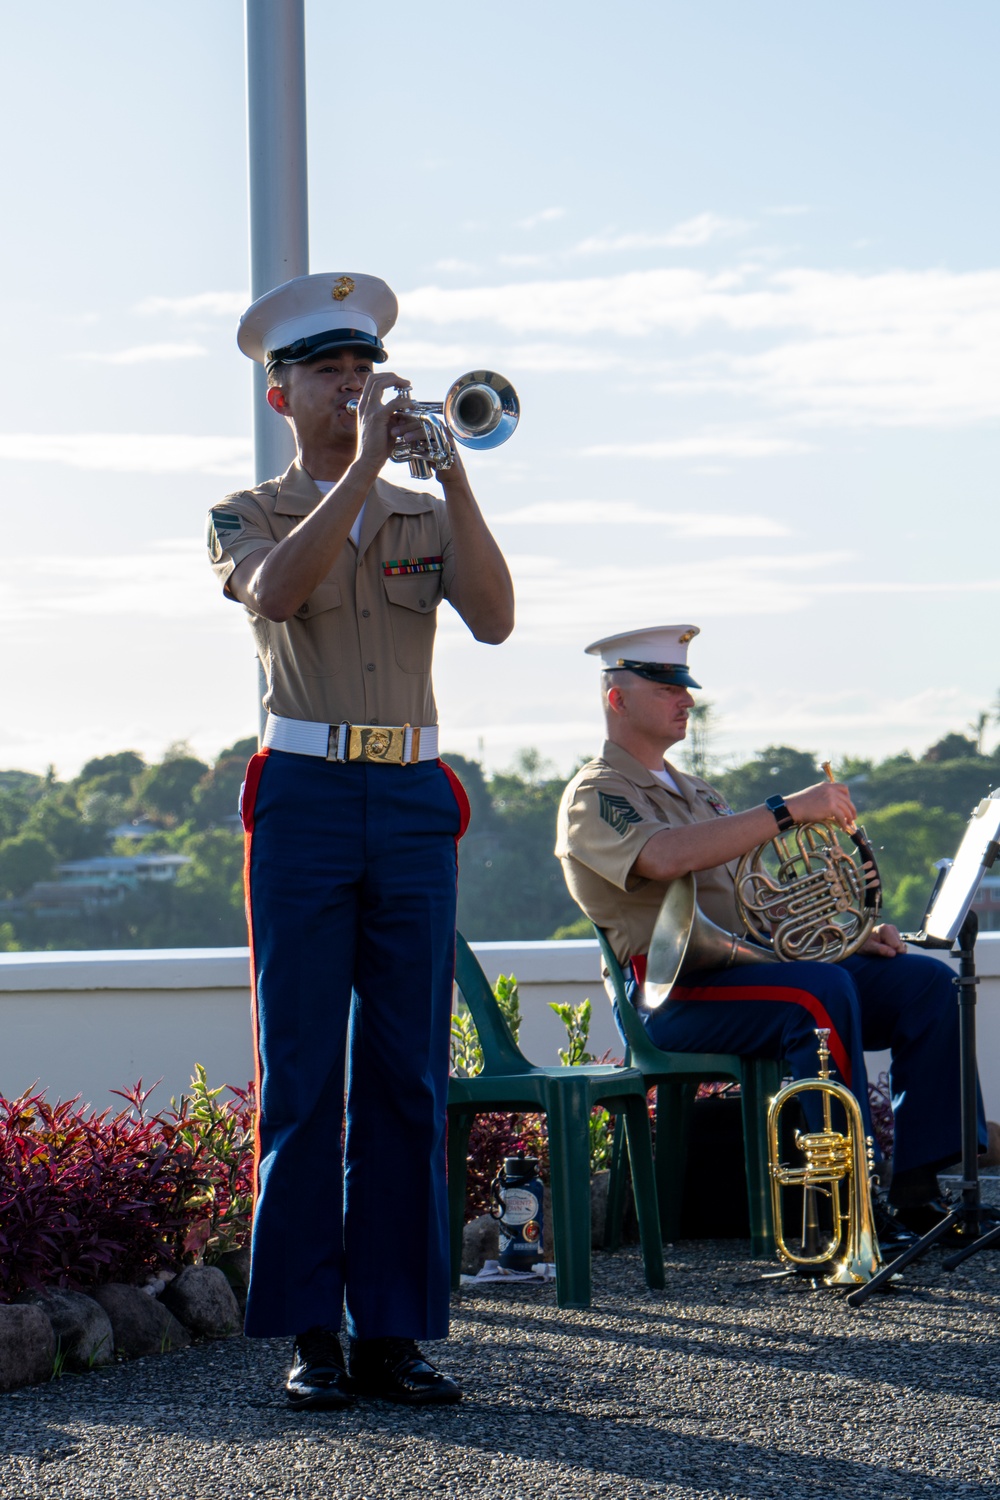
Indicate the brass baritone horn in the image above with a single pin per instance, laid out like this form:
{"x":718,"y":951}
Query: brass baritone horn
{"x":834,"y":1162}
{"x":480,"y":410}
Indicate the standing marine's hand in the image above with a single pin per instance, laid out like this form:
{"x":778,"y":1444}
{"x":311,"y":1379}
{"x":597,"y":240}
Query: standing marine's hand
{"x":381,"y":423}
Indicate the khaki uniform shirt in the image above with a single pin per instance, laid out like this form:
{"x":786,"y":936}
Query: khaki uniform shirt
{"x":359,"y":648}
{"x":608,"y":813}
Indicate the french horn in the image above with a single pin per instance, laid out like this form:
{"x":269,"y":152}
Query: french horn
{"x":801,"y":895}
{"x":480,"y":411}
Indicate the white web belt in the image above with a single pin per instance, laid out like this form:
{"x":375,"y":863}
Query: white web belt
{"x":372,"y":744}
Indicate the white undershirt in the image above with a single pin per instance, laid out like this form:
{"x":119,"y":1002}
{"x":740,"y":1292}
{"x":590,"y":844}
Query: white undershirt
{"x":327,"y":484}
{"x":664,"y":776}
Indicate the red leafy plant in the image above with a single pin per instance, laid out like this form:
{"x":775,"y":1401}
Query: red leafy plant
{"x":88,"y":1197}
{"x":492,"y":1137}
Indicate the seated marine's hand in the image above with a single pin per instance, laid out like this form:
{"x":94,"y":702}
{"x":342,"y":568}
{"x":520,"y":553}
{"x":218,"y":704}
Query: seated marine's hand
{"x":827,"y":802}
{"x":883,"y":942}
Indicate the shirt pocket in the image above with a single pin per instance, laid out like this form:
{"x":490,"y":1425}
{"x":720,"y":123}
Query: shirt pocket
{"x":413,"y":599}
{"x":317,"y":630}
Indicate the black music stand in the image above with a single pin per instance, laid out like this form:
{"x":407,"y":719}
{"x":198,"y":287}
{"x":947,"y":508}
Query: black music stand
{"x":949,"y":913}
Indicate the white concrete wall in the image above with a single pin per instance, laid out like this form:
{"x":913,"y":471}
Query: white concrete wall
{"x":86,"y":1023}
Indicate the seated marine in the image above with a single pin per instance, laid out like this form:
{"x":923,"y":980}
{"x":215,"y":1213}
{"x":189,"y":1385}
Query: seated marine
{"x":630,"y":823}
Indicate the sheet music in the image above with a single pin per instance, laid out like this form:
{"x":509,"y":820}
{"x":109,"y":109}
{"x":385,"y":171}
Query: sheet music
{"x":958,"y":889}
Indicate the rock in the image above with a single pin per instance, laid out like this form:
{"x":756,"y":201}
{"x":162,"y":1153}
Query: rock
{"x":27,"y":1346}
{"x":235,"y":1266}
{"x":140,"y":1324}
{"x":83,"y":1331}
{"x":202,"y":1299}
{"x":480,"y":1243}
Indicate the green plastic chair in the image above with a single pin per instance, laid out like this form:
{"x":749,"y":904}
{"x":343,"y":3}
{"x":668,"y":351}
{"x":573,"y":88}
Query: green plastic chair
{"x":566,"y":1096}
{"x":676,"y":1076}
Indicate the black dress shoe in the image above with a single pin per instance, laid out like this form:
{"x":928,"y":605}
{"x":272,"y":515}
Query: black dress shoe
{"x":893,"y":1235}
{"x":920,"y":1219}
{"x":396,"y":1370}
{"x":318,"y":1379}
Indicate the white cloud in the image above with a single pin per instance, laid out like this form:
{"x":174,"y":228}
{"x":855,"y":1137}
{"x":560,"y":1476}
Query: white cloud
{"x":546,"y":216}
{"x":169,"y":582}
{"x":692,"y":233}
{"x":201,"y":304}
{"x":617,"y":513}
{"x":702,"y":445}
{"x":132,"y":452}
{"x":884,"y":349}
{"x":145,"y":354}
{"x":560,"y":602}
{"x":451,"y":264}
{"x":847,"y":722}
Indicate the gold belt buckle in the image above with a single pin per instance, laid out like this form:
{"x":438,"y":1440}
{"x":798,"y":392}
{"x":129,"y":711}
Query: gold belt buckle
{"x":377,"y":744}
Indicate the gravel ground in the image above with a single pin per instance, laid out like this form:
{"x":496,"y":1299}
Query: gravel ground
{"x":721,"y":1386}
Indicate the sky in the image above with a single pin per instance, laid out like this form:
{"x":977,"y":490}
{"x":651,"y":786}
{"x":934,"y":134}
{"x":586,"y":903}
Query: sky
{"x":741,"y":263}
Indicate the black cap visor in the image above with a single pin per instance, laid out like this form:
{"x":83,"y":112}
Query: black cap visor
{"x":322,"y":343}
{"x":659,"y":671}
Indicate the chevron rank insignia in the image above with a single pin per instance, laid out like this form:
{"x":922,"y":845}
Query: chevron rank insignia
{"x":223,"y":528}
{"x":618,"y":812}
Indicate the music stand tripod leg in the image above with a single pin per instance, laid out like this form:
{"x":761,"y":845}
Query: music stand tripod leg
{"x":969,"y":1213}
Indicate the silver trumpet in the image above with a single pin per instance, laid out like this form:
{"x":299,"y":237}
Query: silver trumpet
{"x":480,"y":410}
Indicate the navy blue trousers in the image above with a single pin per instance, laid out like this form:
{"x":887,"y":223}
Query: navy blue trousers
{"x":351,"y":886}
{"x":907,"y":1005}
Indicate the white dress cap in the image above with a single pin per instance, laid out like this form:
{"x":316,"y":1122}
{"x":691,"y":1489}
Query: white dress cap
{"x":659,"y":653}
{"x":306,"y":316}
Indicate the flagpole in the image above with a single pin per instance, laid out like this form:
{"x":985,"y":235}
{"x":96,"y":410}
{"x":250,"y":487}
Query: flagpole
{"x":279,"y":194}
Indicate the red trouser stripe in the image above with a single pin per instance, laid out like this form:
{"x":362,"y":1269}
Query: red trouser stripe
{"x":461,"y":797}
{"x":247,"y":804}
{"x":767,"y":992}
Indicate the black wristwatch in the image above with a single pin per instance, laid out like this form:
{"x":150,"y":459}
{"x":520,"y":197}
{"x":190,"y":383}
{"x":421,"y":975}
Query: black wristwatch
{"x":782,"y":816}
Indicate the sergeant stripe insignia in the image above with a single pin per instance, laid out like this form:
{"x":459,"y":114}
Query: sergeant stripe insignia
{"x":398,"y":565}
{"x":617,"y":811}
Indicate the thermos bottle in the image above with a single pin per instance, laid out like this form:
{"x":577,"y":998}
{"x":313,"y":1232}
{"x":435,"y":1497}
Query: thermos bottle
{"x":516,"y":1200}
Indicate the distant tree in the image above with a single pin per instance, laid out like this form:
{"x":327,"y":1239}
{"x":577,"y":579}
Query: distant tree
{"x":470,"y":774}
{"x":165,"y":791}
{"x":779,"y":768}
{"x":56,"y":818}
{"x":242,"y":750}
{"x":217,"y":795}
{"x":697,"y":756}
{"x":907,"y":839}
{"x":25,"y":859}
{"x":979,"y":726}
{"x":952,"y":747}
{"x":510,"y":884}
{"x":955,"y":786}
{"x":112,"y":773}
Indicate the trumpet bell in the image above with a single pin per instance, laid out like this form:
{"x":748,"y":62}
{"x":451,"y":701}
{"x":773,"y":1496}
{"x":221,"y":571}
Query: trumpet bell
{"x":481,"y":409}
